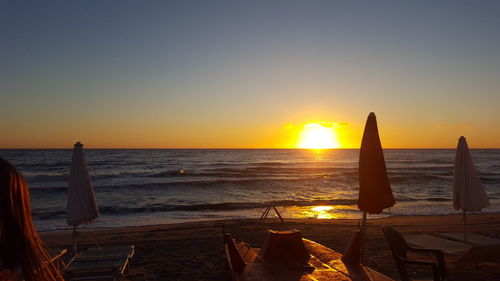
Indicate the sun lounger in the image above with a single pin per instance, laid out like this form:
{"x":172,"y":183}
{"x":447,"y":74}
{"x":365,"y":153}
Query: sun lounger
{"x":472,"y":239}
{"x":466,"y":253}
{"x":433,"y":242}
{"x":107,"y":263}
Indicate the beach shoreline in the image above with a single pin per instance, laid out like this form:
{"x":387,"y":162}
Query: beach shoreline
{"x":194,"y":251}
{"x":91,"y":228}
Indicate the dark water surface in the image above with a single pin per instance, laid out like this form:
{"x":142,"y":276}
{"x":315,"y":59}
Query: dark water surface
{"x":140,"y":187}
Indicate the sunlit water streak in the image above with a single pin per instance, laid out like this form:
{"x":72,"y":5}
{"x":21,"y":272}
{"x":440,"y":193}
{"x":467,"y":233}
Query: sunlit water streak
{"x":143,"y":187}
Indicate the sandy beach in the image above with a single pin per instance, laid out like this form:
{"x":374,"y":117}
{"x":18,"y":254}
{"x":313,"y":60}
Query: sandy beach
{"x":194,"y":251}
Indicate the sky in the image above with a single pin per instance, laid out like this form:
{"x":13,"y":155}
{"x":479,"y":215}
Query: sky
{"x":247,"y":74}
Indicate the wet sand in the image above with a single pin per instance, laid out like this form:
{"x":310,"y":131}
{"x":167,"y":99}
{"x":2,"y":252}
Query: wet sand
{"x":194,"y":251}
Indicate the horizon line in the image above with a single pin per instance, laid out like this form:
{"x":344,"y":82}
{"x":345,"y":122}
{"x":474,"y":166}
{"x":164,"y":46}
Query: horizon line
{"x":236,"y":148}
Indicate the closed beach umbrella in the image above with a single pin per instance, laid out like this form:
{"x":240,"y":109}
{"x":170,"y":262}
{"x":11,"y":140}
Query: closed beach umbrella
{"x":468,"y":192}
{"x":375,"y":192}
{"x":81,"y":205}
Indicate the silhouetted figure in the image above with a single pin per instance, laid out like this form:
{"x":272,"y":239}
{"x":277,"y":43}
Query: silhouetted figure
{"x":22,"y":255}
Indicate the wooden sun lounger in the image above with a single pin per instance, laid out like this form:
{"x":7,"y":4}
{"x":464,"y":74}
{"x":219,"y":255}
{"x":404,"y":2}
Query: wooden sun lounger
{"x":107,"y":263}
{"x":433,"y":242}
{"x":467,"y":253}
{"x":472,"y":239}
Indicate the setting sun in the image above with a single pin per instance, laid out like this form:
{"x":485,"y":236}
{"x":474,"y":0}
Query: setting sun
{"x":318,"y":136}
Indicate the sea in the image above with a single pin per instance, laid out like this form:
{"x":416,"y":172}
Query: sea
{"x":137,"y":187}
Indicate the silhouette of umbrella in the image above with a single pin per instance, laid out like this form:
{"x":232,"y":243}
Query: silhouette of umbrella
{"x":81,"y":205}
{"x":468,"y":192}
{"x":375,"y":192}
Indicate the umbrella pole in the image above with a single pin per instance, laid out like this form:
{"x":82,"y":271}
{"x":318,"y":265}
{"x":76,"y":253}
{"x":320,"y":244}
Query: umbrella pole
{"x":363,"y":237}
{"x":465,"y":226}
{"x":74,"y":240}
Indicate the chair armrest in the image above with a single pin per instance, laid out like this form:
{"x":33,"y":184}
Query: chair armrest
{"x":435,"y":269}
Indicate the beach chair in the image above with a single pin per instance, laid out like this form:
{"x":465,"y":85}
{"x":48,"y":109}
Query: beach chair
{"x":106,"y":263}
{"x":57,"y":258}
{"x":400,"y":248}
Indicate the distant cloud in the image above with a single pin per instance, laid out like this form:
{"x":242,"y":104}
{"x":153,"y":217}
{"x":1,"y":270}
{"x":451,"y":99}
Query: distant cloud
{"x":327,"y":124}
{"x":334,"y":124}
{"x":342,"y":124}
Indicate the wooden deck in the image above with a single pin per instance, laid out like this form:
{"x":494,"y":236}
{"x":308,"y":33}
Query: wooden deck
{"x":332,"y":259}
{"x":324,"y":264}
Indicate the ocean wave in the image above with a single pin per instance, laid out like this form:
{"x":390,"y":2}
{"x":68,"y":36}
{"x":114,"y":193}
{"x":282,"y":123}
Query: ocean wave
{"x":208,"y":183}
{"x":47,"y":177}
{"x":48,"y":214}
{"x":113,"y":163}
{"x":45,"y":164}
{"x":396,"y":175}
{"x":272,"y":163}
{"x":291,"y":170}
{"x":256,"y":171}
{"x":170,"y":173}
{"x":242,"y":171}
{"x":428,"y":161}
{"x":435,"y":179}
{"x":410,"y":183}
{"x":437,"y":199}
{"x":47,"y":189}
{"x":490,"y":180}
{"x":228,"y":206}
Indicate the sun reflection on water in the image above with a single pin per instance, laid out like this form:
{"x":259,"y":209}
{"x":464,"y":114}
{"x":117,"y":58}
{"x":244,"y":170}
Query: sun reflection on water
{"x":316,"y":212}
{"x":323,"y":212}
{"x":321,"y":208}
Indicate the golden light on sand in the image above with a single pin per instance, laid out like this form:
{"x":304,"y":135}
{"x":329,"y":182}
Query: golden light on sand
{"x":319,"y":135}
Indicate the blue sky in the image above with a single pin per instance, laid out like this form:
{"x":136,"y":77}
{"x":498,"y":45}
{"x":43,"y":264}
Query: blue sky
{"x":234,"y":74}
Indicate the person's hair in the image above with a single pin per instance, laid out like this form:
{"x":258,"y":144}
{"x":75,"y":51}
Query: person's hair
{"x":20,"y":245}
